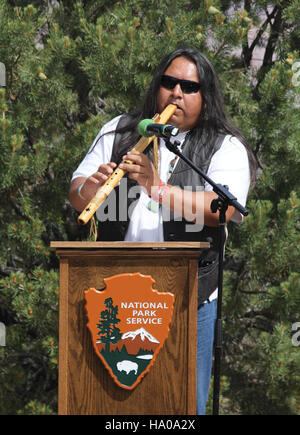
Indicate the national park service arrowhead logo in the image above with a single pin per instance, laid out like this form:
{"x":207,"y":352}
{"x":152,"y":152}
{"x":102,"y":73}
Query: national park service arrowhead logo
{"x":129,"y":323}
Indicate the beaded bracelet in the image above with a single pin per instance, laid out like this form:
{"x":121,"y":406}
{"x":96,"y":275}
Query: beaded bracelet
{"x":157,"y":194}
{"x":162,"y":192}
{"x":156,"y":198}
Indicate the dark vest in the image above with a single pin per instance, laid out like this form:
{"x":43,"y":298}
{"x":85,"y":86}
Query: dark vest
{"x":174,"y":230}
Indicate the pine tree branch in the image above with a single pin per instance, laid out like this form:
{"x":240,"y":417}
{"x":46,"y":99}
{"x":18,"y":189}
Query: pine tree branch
{"x":17,"y":209}
{"x":6,"y":271}
{"x":29,"y":138}
{"x":260,"y":320}
{"x":258,"y":292}
{"x":275,"y":32}
{"x":247,"y":51}
{"x":98,"y":11}
{"x":256,"y":152}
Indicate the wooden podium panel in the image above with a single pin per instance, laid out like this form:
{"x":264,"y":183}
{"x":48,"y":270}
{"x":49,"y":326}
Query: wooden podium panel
{"x":85,"y":386}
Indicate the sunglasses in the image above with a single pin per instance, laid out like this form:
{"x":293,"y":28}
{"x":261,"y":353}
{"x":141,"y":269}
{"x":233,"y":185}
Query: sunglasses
{"x":187,"y":86}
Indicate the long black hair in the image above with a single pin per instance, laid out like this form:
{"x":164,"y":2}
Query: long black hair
{"x":213,"y":119}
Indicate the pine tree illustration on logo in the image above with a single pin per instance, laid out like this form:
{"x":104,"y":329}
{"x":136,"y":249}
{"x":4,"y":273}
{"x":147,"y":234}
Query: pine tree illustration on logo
{"x":129,"y":323}
{"x":108,"y":331}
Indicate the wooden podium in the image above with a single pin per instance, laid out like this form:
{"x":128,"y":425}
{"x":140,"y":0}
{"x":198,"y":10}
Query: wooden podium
{"x":85,"y":386}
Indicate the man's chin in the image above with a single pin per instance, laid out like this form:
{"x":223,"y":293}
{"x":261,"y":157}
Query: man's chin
{"x":175,"y":119}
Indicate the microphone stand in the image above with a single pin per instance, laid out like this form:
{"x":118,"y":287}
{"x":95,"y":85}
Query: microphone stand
{"x":225,"y":198}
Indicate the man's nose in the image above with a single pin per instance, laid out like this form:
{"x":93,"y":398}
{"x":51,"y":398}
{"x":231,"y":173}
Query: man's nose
{"x":177,"y":91}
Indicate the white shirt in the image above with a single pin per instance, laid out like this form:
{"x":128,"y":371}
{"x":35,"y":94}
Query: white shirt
{"x":229,"y":166}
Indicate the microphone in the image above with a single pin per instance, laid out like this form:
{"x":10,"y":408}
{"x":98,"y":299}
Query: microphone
{"x":147,"y":128}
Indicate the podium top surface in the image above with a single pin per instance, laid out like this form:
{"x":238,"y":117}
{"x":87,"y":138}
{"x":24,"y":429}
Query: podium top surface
{"x":130,"y":245}
{"x":129,"y":249}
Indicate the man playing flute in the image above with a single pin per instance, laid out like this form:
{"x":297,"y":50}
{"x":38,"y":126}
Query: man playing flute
{"x":171,"y":196}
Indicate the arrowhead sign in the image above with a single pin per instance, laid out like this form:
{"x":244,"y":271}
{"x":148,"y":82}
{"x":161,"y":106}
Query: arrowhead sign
{"x":129,"y":323}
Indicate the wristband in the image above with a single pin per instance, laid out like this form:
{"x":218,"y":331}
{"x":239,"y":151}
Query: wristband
{"x":156,"y":194}
{"x":156,"y":198}
{"x":160,"y":192}
{"x":79,"y":190}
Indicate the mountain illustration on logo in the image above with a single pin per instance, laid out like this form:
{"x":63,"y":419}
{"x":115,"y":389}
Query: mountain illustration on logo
{"x":135,"y":341}
{"x":128,"y":352}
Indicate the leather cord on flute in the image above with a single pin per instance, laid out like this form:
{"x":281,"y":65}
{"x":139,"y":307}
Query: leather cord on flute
{"x":103,"y":191}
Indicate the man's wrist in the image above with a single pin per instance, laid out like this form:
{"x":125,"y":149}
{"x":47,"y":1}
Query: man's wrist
{"x":158,"y":192}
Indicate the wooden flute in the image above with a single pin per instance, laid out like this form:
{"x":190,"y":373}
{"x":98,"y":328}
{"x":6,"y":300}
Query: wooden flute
{"x":104,"y":190}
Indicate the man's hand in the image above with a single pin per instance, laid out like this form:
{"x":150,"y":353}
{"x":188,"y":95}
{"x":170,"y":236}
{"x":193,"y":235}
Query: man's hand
{"x":90,"y":185}
{"x":141,"y":169}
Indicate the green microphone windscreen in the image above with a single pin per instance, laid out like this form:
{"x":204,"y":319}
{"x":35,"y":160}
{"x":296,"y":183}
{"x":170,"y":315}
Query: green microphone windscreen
{"x":142,"y":127}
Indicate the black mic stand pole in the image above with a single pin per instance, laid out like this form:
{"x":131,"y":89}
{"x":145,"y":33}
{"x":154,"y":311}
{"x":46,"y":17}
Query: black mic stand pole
{"x":225,"y":198}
